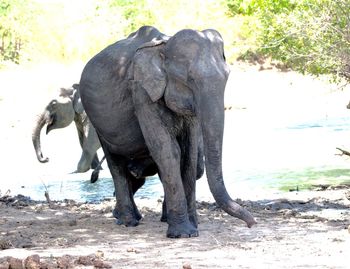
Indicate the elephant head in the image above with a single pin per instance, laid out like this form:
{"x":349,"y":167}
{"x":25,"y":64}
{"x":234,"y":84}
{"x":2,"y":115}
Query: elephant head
{"x":189,"y":72}
{"x":59,"y":113}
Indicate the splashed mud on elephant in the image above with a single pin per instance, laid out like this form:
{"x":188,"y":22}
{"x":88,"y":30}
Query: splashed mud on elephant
{"x":154,"y":95}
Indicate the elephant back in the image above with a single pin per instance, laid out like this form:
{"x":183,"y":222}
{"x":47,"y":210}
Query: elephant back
{"x":104,"y":85}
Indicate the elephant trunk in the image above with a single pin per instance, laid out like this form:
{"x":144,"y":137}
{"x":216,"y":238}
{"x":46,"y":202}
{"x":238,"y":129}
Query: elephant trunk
{"x":213,"y":115}
{"x":41,"y":121}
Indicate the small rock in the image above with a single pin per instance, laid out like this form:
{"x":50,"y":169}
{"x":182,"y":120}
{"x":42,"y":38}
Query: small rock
{"x":85,"y":260}
{"x":101,"y":264}
{"x":347,"y":195}
{"x":99,"y":254}
{"x":66,"y":261}
{"x":46,"y":265}
{"x":32,"y":262}
{"x":187,"y":266}
{"x":15,"y":263}
{"x":4,"y":264}
{"x":288,"y":212}
{"x":132,"y":250}
{"x":72,"y":222}
{"x":5,"y":244}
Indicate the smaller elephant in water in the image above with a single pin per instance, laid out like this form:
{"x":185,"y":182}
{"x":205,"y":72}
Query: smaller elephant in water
{"x":61,"y":112}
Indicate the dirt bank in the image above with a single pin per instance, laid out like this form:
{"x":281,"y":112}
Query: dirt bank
{"x":301,"y":230}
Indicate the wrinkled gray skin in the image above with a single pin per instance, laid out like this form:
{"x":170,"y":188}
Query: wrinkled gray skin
{"x":151,"y":95}
{"x":60,"y":113}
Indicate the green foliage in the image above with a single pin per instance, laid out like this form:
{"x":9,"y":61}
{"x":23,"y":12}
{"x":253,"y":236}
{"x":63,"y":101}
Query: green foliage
{"x":68,"y":31}
{"x":135,"y":13}
{"x":12,"y":29}
{"x":311,"y":36}
{"x":251,"y":7}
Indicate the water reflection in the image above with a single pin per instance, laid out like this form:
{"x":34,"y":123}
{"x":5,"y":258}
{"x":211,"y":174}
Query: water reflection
{"x":82,"y":190}
{"x":334,"y":124}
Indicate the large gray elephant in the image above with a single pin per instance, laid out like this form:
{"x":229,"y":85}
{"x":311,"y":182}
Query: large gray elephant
{"x":60,"y":113}
{"x":153,"y":95}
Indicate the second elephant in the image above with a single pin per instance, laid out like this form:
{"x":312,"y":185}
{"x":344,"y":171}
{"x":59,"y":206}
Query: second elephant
{"x":61,"y":112}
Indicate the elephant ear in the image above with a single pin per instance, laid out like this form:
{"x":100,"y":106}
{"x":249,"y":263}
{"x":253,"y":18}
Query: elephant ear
{"x":178,"y":97}
{"x":178,"y":94}
{"x":148,"y":69}
{"x":66,"y":92}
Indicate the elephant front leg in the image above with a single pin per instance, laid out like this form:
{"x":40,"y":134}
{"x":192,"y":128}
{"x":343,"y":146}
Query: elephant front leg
{"x":175,"y":204}
{"x":166,"y":152}
{"x":189,"y":167}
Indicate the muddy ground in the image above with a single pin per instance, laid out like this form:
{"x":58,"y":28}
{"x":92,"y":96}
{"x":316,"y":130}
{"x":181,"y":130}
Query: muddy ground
{"x":309,"y":229}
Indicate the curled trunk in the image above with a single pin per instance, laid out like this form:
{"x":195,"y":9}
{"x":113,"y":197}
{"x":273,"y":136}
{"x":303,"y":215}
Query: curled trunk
{"x":41,"y":121}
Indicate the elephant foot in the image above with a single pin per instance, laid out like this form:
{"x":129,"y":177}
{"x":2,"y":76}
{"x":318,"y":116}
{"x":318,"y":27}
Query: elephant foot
{"x":183,"y":230}
{"x":129,"y":220}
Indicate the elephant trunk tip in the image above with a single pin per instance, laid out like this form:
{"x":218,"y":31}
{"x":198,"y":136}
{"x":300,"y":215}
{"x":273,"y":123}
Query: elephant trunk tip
{"x":235,"y":210}
{"x":41,"y":158}
{"x":44,"y":160}
{"x":251,"y":222}
{"x":247,"y":217}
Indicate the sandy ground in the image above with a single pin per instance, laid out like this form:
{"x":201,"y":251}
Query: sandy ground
{"x":299,"y":231}
{"x":295,"y":230}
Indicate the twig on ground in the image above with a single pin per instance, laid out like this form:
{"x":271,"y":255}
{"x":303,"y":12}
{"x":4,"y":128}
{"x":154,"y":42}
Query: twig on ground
{"x":47,"y":196}
{"x":216,"y":240}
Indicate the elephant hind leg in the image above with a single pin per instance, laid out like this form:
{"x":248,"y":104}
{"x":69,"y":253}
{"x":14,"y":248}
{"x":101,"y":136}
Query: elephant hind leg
{"x":125,"y":210}
{"x":134,"y":185}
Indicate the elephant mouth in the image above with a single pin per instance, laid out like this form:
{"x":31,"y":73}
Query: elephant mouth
{"x":50,"y":123}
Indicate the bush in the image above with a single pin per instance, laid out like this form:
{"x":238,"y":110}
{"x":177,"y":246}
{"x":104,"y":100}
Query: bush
{"x":311,"y":36}
{"x":12,"y":29}
{"x":68,"y":31}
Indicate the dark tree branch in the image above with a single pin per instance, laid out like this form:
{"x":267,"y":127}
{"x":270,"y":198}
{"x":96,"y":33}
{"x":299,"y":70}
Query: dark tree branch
{"x":343,"y":152}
